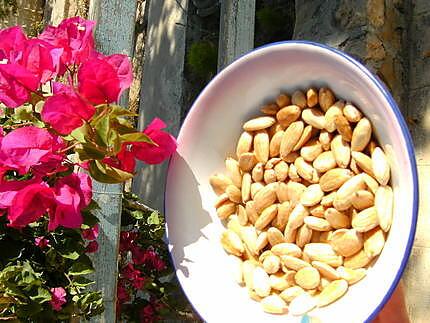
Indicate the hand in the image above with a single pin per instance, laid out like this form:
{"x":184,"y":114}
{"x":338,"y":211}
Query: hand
{"x":394,"y":310}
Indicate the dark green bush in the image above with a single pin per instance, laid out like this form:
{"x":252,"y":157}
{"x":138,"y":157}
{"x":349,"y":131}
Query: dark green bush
{"x":202,"y":59}
{"x":270,"y":20}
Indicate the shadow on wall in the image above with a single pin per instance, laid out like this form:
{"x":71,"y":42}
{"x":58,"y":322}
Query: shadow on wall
{"x":28,"y":14}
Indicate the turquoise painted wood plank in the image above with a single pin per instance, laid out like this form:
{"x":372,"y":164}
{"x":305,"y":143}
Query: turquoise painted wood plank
{"x":114,"y":34}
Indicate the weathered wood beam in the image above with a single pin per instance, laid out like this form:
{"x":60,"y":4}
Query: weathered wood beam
{"x":162,"y":86}
{"x":236,"y":36}
{"x":114,"y":34}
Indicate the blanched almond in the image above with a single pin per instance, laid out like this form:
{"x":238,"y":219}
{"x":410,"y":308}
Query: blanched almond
{"x":325,"y":236}
{"x":278,"y":281}
{"x":335,"y":290}
{"x":361,"y":135}
{"x":283,"y":100}
{"x":343,"y":127}
{"x":275,"y":236}
{"x":342,"y":200}
{"x":244,"y":143}
{"x":293,"y":174}
{"x":326,"y":270}
{"x":233,"y":224}
{"x":302,"y":304}
{"x":255,"y":188}
{"x":291,"y":157}
{"x":261,"y":282}
{"x":246,"y":187}
{"x":286,"y":249}
{"x":271,"y":264}
{"x":341,"y":151}
{"x":380,"y":166}
{"x":251,"y":211}
{"x":284,"y":210}
{"x":219,"y":183}
{"x":317,"y":210}
{"x":274,"y":304}
{"x":265,"y":197}
{"x":312,"y":97}
{"x":262,"y":241}
{"x":314,"y":117}
{"x":334,"y":111}
{"x":304,"y":138}
{"x":384,"y":206}
{"x":351,"y":113}
{"x":226,"y":209}
{"x":323,"y":252}
{"x":374,"y":241}
{"x":304,"y":235}
{"x":307,"y":278}
{"x":281,"y":171}
{"x":371,"y":183}
{"x":291,"y":293}
{"x":290,"y":138}
{"x":236,"y":268}
{"x":328,"y":199}
{"x":259,"y":123}
{"x":258,"y":172}
{"x":352,"y":276}
{"x":305,"y":170}
{"x":297,"y":216}
{"x":269,"y":176}
{"x":288,"y":115}
{"x":275,"y":144}
{"x":326,"y":98}
{"x":261,"y":146}
{"x":232,"y":243}
{"x":358,"y":260}
{"x":294,"y":191}
{"x":317,"y":224}
{"x":363,"y":161}
{"x":362,"y":200}
{"x":346,"y":242}
{"x":272,"y":162}
{"x":248,"y":267}
{"x":241,"y":215}
{"x":298,"y":98}
{"x":248,"y":234}
{"x":266,"y":216}
{"x":234,"y":194}
{"x":334,"y":178}
{"x":270,"y":109}
{"x":233,"y":171}
{"x":324,"y":162}
{"x":220,"y":200}
{"x":365,"y":220}
{"x":247,"y":161}
{"x":325,"y":139}
{"x":337,"y":219}
{"x":294,"y":263}
{"x":312,"y":195}
{"x":311,"y":150}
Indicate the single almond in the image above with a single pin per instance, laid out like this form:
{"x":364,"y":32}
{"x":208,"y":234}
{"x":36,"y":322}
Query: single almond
{"x":374,"y":241}
{"x":242,"y":216}
{"x":314,"y":117}
{"x":272,"y":162}
{"x":384,"y":206}
{"x":346,"y":242}
{"x":265,"y":197}
{"x":330,"y":115}
{"x":326,"y":98}
{"x":233,"y":171}
{"x":234,"y":194}
{"x":274,"y":304}
{"x":246,"y":187}
{"x":294,"y":263}
{"x":231,"y":243}
{"x":293,"y":174}
{"x":248,"y":267}
{"x":275,"y":236}
{"x":278,"y":281}
{"x":324,"y":162}
{"x":286,"y":249}
{"x":341,"y":151}
{"x":255,"y":188}
{"x":247,"y":161}
{"x":325,"y":139}
{"x":233,"y":224}
{"x":281,"y":171}
{"x":288,"y":115}
{"x":317,"y":224}
{"x":327,"y":200}
{"x":270,"y":109}
{"x":291,"y":293}
{"x":262,"y":241}
{"x":358,"y":260}
{"x":266,"y":216}
{"x":261,"y":146}
{"x":304,"y":138}
{"x":220,"y":200}
{"x":380,"y":166}
{"x":282,"y":192}
{"x":363,"y":161}
{"x":269,"y":176}
{"x":283,"y":100}
{"x":298,"y":98}
{"x":307,"y":278}
{"x":294,"y":191}
{"x":271,"y":264}
{"x":251,"y":211}
{"x":297,"y":216}
{"x":335,"y":290}
{"x":312,"y":195}
{"x":323,"y":252}
{"x":290,"y":138}
{"x":291,"y":157}
{"x":361,"y":135}
{"x":351,"y":113}
{"x":353,"y":166}
{"x":284,"y":210}
{"x":362,"y":200}
{"x":275,"y":144}
{"x":244,"y":143}
{"x":248,"y":234}
{"x":219,"y":183}
{"x":342,"y":200}
{"x":258,"y":172}
{"x":306,"y":171}
{"x":337,"y":219}
{"x":304,"y":235}
{"x":311,"y":150}
{"x":259,"y":123}
{"x":326,"y":270}
{"x":302,"y":304}
{"x":365,"y":220}
{"x":226,"y":209}
{"x":343,"y":127}
{"x":352,"y":276}
{"x":371,"y":183}
{"x":311,"y":97}
{"x":334,"y":178}
{"x":317,"y":210}
{"x":261,"y":282}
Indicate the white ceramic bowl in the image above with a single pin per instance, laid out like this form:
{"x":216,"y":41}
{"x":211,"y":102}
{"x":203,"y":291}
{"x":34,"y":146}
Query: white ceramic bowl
{"x":209,"y":135}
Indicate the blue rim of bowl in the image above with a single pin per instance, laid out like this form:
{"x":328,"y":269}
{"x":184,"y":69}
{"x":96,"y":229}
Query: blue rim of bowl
{"x":406,"y":135}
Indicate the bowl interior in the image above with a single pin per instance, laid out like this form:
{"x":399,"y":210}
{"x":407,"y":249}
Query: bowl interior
{"x":209,"y":135}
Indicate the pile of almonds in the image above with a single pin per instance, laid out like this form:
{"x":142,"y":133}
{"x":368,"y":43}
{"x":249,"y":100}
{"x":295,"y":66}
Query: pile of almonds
{"x":307,"y":202}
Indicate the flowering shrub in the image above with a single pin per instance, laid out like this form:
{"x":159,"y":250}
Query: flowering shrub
{"x":61,"y":127}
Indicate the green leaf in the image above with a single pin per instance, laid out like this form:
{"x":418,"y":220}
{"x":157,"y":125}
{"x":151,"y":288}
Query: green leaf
{"x":82,"y":133}
{"x":83,"y":266}
{"x":114,"y":141}
{"x":137,"y":214}
{"x":42,"y":296}
{"x":90,"y":151}
{"x":102,"y":129}
{"x":107,"y":174}
{"x":24,"y":113}
{"x":82,"y":281}
{"x":154,"y":218}
{"x":137,"y":137}
{"x":118,"y":111}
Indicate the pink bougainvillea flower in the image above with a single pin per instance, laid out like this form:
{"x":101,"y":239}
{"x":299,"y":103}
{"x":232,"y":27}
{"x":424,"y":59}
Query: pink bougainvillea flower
{"x":147,"y":314}
{"x":91,"y":233}
{"x":75,"y":37}
{"x":58,"y":298}
{"x":92,"y":247}
{"x":12,"y":43}
{"x":102,"y":80}
{"x":25,"y":147}
{"x":9,"y":189}
{"x":124,"y":160}
{"x":130,"y":273}
{"x":138,"y":282}
{"x":41,"y":242}
{"x":152,"y":154}
{"x":65,"y":111}
{"x":72,"y":194}
{"x":122,"y":293}
{"x":29,"y":204}
{"x":126,"y":240}
{"x":137,"y":254}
